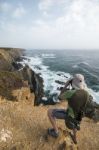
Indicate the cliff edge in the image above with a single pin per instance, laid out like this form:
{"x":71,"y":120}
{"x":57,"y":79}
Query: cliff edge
{"x":23,"y":126}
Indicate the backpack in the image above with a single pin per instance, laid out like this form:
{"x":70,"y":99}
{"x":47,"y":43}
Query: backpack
{"x":77,"y":102}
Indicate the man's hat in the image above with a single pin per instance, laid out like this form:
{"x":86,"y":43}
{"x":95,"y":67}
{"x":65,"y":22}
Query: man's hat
{"x":78,"y":82}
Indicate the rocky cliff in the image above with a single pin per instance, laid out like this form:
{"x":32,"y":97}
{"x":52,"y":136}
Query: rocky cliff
{"x":14,"y":76}
{"x":23,"y":126}
{"x":8,"y":58}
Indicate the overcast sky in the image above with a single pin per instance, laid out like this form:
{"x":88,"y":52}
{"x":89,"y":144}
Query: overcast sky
{"x":51,"y":24}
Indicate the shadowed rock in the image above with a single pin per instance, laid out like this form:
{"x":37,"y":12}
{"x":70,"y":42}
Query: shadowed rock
{"x":35,"y":82}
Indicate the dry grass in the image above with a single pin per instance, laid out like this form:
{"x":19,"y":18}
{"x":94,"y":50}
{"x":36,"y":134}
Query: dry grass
{"x":27,"y":125}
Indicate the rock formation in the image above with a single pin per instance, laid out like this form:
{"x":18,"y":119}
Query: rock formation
{"x":12,"y":78}
{"x":8,"y":58}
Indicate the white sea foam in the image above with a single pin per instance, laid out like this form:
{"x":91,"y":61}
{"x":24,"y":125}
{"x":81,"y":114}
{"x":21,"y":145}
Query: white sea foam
{"x":36,"y":63}
{"x":78,"y":64}
{"x":48,"y":55}
{"x":49,"y":77}
{"x":85,"y":63}
{"x":75,"y":66}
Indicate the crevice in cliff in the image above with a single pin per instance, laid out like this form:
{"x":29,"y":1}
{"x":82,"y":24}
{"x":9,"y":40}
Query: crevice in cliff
{"x":35,"y":83}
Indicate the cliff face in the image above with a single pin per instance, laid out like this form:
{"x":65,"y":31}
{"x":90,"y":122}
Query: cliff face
{"x":35,"y":82}
{"x":11,"y":78}
{"x":8,"y":56}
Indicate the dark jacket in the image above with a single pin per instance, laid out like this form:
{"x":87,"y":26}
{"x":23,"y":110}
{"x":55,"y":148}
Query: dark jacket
{"x":78,"y":102}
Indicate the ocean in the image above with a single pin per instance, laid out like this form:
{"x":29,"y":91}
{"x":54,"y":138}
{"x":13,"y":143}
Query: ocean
{"x":59,"y":65}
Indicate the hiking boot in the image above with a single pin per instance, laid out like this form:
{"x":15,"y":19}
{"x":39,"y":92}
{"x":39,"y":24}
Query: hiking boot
{"x":53,"y":133}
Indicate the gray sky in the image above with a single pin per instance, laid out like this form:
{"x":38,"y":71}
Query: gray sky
{"x":51,"y":24}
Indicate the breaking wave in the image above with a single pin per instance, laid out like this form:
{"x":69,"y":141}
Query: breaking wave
{"x":51,"y":78}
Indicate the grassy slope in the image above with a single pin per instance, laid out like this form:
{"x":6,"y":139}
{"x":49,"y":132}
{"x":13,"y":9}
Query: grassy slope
{"x":8,"y":82}
{"x":8,"y":79}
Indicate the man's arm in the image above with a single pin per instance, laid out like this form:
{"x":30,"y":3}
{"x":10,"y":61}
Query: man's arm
{"x":66,"y":85}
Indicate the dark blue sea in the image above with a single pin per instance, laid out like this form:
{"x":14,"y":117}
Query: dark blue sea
{"x":59,"y":65}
